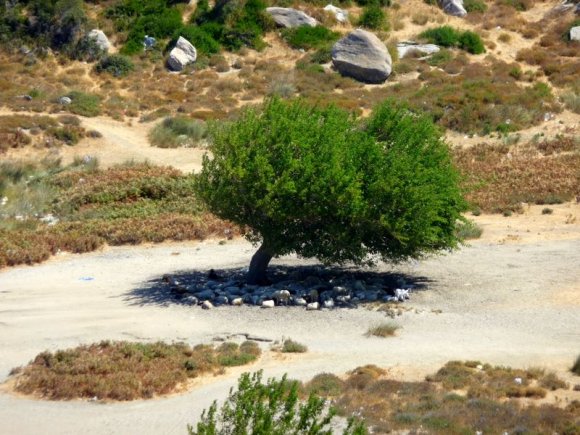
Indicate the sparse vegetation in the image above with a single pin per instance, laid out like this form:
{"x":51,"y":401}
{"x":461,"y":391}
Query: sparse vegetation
{"x":386,"y":329}
{"x":124,"y":370}
{"x":576,"y":367}
{"x":116,"y":65}
{"x":178,"y":132}
{"x":84,"y":104}
{"x":468,"y":229}
{"x":291,"y":346}
{"x":307,"y":37}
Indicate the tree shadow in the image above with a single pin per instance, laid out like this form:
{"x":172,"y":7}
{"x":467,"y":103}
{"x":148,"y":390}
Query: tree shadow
{"x":164,"y":290}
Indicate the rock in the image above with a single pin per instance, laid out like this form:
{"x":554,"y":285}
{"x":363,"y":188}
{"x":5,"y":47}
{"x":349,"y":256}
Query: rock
{"x":362,"y":56}
{"x":453,"y":7}
{"x":339,"y":290}
{"x":268,"y":304}
{"x":404,"y":48}
{"x":329,"y":303}
{"x":312,"y":306}
{"x":65,"y":101}
{"x":237,"y":302}
{"x":300,"y":302}
{"x":575,"y":33}
{"x":221,"y":300}
{"x":340,"y":14}
{"x":282,"y":297}
{"x":100,"y":39}
{"x":149,"y":42}
{"x":207,"y":305}
{"x":401,"y":294}
{"x":234,"y":290}
{"x":181,"y":55}
{"x":288,"y":17}
{"x":313,"y":295}
{"x":190,"y":300}
{"x":205,"y":295}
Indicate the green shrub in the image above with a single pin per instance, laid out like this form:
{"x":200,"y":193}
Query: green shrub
{"x":373,"y":17}
{"x":468,"y":229}
{"x":67,"y":135}
{"x":311,"y":180}
{"x":474,"y":6}
{"x":382,"y":3}
{"x":291,"y":346}
{"x":84,"y":104}
{"x":307,"y":37}
{"x":178,"y":131}
{"x":447,"y":36}
{"x":441,"y":58}
{"x":271,"y":408}
{"x":116,"y":65}
{"x":471,"y":42}
{"x":576,"y":367}
{"x":203,"y":42}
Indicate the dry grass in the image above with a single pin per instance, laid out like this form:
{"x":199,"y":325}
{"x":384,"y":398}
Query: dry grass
{"x":124,"y":370}
{"x":498,"y":178}
{"x":291,"y":346}
{"x":383,"y":330}
{"x":459,"y":398}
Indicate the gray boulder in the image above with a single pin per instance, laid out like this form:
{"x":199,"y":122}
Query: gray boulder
{"x":407,"y":47}
{"x":575,"y":33}
{"x":65,"y":101}
{"x":100,"y":39}
{"x":362,"y":56}
{"x":453,"y":7}
{"x":181,"y":55}
{"x":288,"y":17}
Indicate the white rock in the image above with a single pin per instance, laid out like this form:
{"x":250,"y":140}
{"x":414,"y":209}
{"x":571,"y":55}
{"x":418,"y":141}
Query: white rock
{"x":100,"y":39}
{"x":313,"y":306}
{"x":65,"y":101}
{"x":268,"y":304}
{"x":237,"y":302}
{"x":207,"y":305}
{"x":575,"y":33}
{"x":406,"y":47}
{"x":288,"y":17}
{"x":340,"y":14}
{"x":518,"y":381}
{"x":329,"y":303}
{"x":301,"y":302}
{"x":181,"y":55}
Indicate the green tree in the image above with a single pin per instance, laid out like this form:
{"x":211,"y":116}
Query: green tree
{"x":320,"y":183}
{"x":271,"y":408}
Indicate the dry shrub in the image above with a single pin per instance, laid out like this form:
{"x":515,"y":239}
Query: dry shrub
{"x":497,"y":180}
{"x":124,"y":370}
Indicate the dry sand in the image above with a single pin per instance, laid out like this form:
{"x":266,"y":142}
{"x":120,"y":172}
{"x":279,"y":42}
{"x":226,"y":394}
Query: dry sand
{"x":515,"y":303}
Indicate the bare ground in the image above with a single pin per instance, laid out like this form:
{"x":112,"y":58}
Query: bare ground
{"x":515,"y":302}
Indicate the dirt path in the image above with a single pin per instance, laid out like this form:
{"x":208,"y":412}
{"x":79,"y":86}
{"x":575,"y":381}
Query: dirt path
{"x":515,"y":303}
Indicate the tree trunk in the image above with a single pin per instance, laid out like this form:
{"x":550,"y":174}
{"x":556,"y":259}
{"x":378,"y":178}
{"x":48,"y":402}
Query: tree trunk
{"x":258,"y":266}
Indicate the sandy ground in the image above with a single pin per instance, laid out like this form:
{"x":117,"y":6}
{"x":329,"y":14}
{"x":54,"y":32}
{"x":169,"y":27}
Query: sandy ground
{"x":515,"y":302}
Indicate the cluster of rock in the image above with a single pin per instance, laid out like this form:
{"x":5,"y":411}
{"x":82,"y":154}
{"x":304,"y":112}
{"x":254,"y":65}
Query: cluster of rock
{"x":309,"y":290}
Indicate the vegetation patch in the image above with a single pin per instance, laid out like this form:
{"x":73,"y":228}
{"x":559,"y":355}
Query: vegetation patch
{"x":307,"y":37}
{"x":291,"y":346}
{"x":116,"y":65}
{"x":126,"y":371}
{"x":467,"y":229}
{"x":386,"y":329}
{"x":447,"y":36}
{"x":460,"y":398}
{"x":178,"y":132}
{"x":84,"y":104}
{"x":373,"y":17}
{"x":576,"y":367}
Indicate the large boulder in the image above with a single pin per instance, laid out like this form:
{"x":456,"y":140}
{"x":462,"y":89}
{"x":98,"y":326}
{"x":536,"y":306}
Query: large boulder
{"x":362,"y":56}
{"x":288,"y":17}
{"x":181,"y":55}
{"x":407,"y":47}
{"x":100,"y":39}
{"x":575,"y":33}
{"x":453,"y":7}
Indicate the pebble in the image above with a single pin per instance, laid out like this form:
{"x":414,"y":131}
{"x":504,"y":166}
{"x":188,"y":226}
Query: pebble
{"x":312,"y":306}
{"x":268,"y":304}
{"x":237,"y":302}
{"x":207,"y":305}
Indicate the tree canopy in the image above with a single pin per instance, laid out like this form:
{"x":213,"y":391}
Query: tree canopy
{"x":317,"y":181}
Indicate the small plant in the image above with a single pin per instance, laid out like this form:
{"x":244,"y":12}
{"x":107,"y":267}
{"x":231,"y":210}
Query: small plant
{"x":471,"y":42}
{"x":386,"y":329}
{"x":116,"y":65}
{"x":474,"y":6}
{"x":576,"y":367}
{"x":547,"y":210}
{"x":291,"y":346}
{"x":84,"y":104}
{"x":271,"y":408}
{"x":178,"y":132}
{"x":307,"y":37}
{"x":447,"y":36}
{"x":373,"y":17}
{"x":468,"y":229}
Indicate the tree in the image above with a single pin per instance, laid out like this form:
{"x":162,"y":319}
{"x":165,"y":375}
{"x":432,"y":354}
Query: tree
{"x":318,"y":182}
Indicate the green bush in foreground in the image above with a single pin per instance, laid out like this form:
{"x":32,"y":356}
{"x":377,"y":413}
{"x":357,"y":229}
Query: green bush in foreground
{"x":318,"y":182}
{"x":271,"y":408}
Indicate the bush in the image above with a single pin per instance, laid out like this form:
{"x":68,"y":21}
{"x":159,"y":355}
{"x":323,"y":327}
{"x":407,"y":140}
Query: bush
{"x":382,"y":330}
{"x":311,"y":180}
{"x":178,"y":131}
{"x":373,"y":17}
{"x":203,"y":42}
{"x":116,"y":65}
{"x":474,"y":6}
{"x":468,"y":229}
{"x":576,"y":367}
{"x":307,"y":37}
{"x":291,"y":346}
{"x":269,"y":408}
{"x":471,"y":42}
{"x":447,"y":36}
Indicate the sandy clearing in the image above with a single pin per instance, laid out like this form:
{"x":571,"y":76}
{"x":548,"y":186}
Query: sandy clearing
{"x":515,"y":304}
